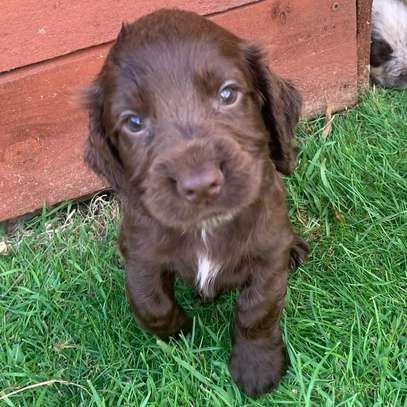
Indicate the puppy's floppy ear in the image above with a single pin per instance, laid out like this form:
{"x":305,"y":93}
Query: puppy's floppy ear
{"x":101,"y":155}
{"x":281,"y":108}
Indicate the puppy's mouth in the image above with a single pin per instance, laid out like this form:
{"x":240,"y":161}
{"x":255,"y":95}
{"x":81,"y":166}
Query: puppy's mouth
{"x":198,"y":189}
{"x":165,"y":204}
{"x":214,"y":221}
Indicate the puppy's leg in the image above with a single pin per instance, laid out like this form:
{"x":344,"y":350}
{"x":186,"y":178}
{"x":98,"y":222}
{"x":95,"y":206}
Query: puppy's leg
{"x":257,"y":361}
{"x":298,"y":253}
{"x":151,"y":296}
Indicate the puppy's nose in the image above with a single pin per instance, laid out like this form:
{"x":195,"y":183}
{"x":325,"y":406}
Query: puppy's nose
{"x":199,"y":186}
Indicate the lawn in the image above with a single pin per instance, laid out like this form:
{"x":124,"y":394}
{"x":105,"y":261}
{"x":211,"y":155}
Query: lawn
{"x":67,"y":337}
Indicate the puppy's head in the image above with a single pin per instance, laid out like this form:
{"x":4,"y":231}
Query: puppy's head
{"x":388,"y":51}
{"x":186,"y":118}
{"x":387,"y":67}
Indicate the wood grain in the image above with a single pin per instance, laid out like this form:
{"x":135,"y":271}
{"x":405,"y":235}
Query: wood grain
{"x":364,"y":18}
{"x":312,"y":42}
{"x":36,"y":30}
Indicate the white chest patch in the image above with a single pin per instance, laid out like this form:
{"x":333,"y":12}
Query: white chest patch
{"x":207,"y":269}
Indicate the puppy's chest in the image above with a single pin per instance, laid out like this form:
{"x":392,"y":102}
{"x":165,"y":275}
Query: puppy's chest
{"x":209,"y":263}
{"x":201,"y":258}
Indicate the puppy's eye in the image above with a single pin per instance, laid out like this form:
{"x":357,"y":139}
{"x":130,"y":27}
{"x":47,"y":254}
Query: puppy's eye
{"x":134,"y":123}
{"x":228,"y":95}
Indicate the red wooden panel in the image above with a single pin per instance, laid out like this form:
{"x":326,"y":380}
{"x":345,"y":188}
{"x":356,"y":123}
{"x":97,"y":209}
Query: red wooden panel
{"x":364,"y":8}
{"x":312,"y":42}
{"x":41,"y":137}
{"x":36,"y":30}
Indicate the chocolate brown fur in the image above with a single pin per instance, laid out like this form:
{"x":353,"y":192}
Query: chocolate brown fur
{"x":168,"y":68}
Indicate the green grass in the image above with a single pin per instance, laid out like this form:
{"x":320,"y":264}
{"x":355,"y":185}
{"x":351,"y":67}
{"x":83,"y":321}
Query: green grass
{"x":64,"y":317}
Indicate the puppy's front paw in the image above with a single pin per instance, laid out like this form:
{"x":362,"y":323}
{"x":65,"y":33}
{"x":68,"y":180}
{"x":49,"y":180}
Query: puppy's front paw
{"x":179,"y":324}
{"x":256,"y":366}
{"x":298,"y":253}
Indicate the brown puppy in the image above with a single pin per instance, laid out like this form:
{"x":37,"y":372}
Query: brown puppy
{"x":190,"y":128}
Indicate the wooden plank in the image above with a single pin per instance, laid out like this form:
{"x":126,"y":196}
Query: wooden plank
{"x":42,"y":133}
{"x":37,"y":30}
{"x":364,"y":16}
